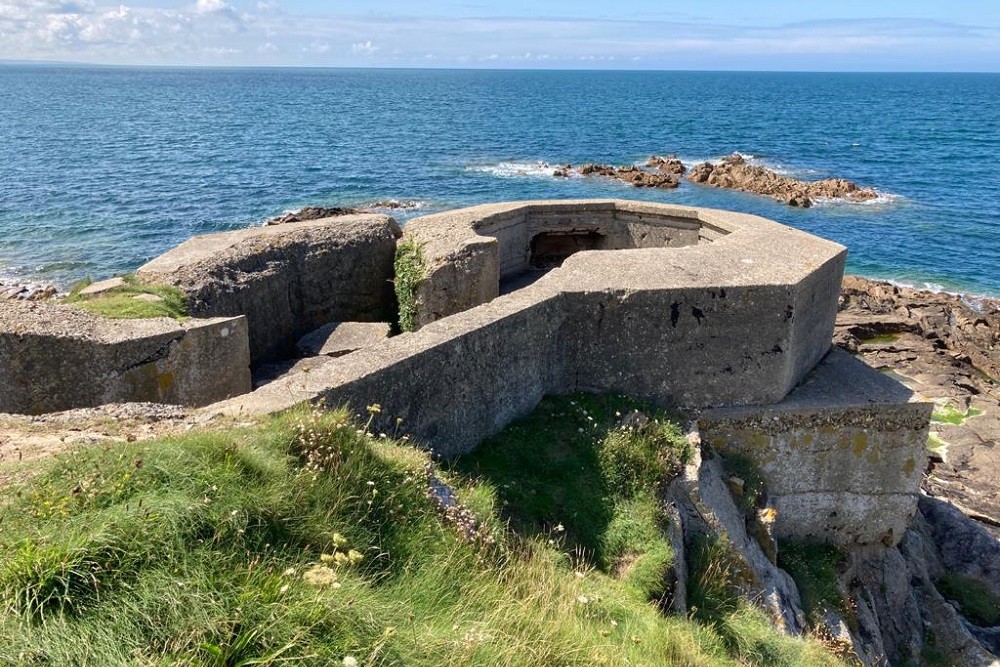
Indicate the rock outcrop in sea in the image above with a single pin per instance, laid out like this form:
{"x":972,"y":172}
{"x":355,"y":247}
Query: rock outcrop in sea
{"x":736,"y":173}
{"x":662,"y":172}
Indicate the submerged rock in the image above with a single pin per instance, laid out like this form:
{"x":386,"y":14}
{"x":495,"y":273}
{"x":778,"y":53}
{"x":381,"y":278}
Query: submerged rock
{"x":735,"y":173}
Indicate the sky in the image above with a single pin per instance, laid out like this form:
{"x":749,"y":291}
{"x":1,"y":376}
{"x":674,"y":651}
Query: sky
{"x":784,"y":35}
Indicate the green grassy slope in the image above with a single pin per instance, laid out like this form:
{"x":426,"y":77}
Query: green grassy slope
{"x":306,"y":541}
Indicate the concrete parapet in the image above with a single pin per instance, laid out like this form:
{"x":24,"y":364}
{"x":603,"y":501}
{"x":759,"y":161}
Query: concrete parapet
{"x":287,"y":279}
{"x":55,"y":357}
{"x":842,"y":455}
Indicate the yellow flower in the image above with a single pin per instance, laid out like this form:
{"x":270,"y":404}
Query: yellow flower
{"x":339,"y":540}
{"x":355,"y":556}
{"x":374,"y":408}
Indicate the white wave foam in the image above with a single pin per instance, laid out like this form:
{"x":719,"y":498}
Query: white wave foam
{"x":884,"y":199}
{"x":398,"y":205}
{"x":518,"y":169}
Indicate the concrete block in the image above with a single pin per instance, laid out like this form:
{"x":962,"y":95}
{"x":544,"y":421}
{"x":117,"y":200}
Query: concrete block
{"x":843,"y":454}
{"x":57,"y":357}
{"x":339,"y":338}
{"x":287,"y":279}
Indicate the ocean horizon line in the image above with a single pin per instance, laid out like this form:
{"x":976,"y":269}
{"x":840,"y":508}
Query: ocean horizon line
{"x":431,"y":68}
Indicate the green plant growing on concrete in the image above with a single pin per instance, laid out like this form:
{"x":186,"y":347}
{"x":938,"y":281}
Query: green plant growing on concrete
{"x":949,"y":414}
{"x":976,"y":601}
{"x":122,"y":302}
{"x":411,"y":270}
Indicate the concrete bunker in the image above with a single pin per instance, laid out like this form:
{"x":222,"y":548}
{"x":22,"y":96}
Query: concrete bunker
{"x":696,"y":308}
{"x":479,"y":253}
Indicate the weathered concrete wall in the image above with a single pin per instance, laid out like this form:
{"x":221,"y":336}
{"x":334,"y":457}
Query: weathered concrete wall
{"x":55,"y":357}
{"x":287,"y":279}
{"x":471,"y":250}
{"x":842,"y":455}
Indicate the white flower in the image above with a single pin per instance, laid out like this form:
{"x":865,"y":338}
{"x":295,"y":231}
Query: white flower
{"x":350,"y":661}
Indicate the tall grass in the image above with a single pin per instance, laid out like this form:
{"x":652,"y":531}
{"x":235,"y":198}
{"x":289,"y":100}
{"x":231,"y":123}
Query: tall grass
{"x":303,"y":540}
{"x":121,"y":302}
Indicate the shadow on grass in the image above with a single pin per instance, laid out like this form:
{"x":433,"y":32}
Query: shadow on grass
{"x":564,"y":471}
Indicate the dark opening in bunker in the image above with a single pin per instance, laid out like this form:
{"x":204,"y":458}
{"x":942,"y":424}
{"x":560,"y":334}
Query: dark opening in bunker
{"x":550,"y":249}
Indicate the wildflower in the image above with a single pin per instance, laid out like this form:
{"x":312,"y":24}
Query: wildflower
{"x":374,"y":409}
{"x":355,"y":556}
{"x":326,"y":558}
{"x":582,"y":599}
{"x":321,"y":576}
{"x":339,"y":540}
{"x":350,"y":661}
{"x":559,"y":528}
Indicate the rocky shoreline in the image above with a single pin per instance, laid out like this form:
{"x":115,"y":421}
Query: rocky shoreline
{"x":945,"y":347}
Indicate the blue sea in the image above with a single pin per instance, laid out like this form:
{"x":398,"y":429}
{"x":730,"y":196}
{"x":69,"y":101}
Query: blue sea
{"x":103,"y":168}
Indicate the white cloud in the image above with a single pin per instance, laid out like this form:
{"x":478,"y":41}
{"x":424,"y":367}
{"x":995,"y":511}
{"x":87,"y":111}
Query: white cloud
{"x":263,"y":33}
{"x":364,"y":48}
{"x":211,"y":6}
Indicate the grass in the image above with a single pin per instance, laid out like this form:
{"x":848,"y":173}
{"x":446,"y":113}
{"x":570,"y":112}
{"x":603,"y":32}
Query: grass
{"x":949,"y":414}
{"x":977,"y":603}
{"x":880,"y":339}
{"x":754,"y":485}
{"x":814,"y":567}
{"x":570,"y":472}
{"x":303,"y":540}
{"x":411,"y":270}
{"x":717,"y":595}
{"x":120,"y":302}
